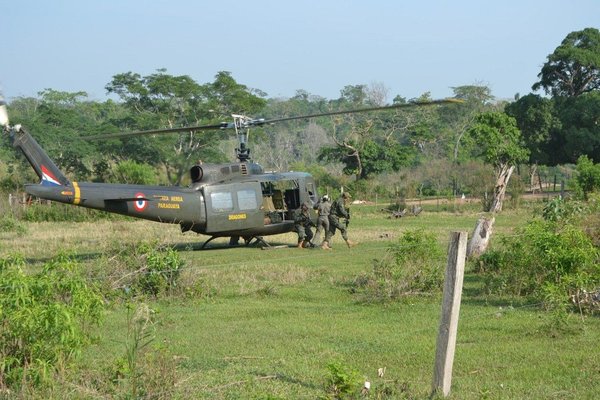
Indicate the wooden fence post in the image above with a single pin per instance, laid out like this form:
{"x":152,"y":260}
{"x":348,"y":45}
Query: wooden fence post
{"x":446,"y":340}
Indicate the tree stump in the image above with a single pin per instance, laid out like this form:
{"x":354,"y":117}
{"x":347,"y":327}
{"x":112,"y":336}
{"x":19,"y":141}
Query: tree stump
{"x":480,"y":238}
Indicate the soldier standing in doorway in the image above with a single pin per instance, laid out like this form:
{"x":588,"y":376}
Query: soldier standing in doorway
{"x":339,"y":209}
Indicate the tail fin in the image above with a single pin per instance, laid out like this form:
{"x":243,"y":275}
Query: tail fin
{"x":39,"y":160}
{"x":42,"y":164}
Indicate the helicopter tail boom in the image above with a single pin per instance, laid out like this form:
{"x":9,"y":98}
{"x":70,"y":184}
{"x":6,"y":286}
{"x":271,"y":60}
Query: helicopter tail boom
{"x":44,"y":167}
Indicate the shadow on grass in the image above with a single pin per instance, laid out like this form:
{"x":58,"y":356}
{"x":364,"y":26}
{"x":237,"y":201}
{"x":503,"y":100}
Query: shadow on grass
{"x":474,"y":293}
{"x":226,"y":246}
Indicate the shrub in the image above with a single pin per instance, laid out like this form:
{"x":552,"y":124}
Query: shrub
{"x":344,"y":382}
{"x":8,"y":223}
{"x":45,"y":318}
{"x":413,"y":265}
{"x":141,"y":269}
{"x":558,"y":209}
{"x":542,"y":258}
{"x":161,"y":270}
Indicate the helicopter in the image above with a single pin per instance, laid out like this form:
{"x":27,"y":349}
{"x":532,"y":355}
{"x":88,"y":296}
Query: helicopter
{"x":238,"y":199}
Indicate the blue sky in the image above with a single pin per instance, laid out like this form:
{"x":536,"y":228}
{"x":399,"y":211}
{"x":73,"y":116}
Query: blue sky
{"x":281,"y":46}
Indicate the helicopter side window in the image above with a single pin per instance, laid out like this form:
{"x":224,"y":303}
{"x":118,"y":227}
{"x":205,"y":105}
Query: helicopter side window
{"x":312,"y":193}
{"x":221,"y":201}
{"x":247,"y":200}
{"x":267,"y":188}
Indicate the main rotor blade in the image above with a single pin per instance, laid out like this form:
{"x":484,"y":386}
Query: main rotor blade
{"x":220,"y":125}
{"x":360,"y":110}
{"x":260,"y":122}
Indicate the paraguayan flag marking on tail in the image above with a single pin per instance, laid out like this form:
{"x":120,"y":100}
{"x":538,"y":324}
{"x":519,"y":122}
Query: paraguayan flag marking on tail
{"x":48,"y":179}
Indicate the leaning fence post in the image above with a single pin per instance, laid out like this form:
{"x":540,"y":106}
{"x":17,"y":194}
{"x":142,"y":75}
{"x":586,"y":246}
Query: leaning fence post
{"x":446,"y":340}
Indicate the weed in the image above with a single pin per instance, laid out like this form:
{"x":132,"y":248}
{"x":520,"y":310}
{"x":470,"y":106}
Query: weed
{"x":410,"y":266}
{"x":344,"y":382}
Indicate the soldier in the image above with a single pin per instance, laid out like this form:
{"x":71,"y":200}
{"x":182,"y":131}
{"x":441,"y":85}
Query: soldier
{"x":339,"y":209}
{"x":323,"y":208}
{"x":303,"y":224}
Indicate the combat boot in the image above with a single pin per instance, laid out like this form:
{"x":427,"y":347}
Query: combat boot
{"x":300,"y":244}
{"x":350,"y":243}
{"x":325,"y":246}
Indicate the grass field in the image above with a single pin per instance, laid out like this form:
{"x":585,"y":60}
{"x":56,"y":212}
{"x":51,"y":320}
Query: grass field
{"x":266,"y":324}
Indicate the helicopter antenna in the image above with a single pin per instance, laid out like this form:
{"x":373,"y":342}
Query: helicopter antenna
{"x":241,"y":123}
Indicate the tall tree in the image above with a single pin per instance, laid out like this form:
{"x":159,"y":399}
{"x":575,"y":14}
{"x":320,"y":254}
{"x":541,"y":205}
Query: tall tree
{"x":459,"y":117}
{"x":574,"y":66}
{"x":163,"y":100}
{"x":499,"y":142}
{"x":580,"y":126}
{"x":536,"y":119}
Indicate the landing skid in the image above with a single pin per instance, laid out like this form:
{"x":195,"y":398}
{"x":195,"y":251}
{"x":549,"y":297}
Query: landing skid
{"x":234,"y":241}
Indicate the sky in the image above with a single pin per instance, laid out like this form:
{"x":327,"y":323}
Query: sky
{"x":319,"y":46}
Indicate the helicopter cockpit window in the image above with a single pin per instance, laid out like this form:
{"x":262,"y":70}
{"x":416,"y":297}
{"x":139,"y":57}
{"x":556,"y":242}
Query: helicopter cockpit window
{"x":221,"y":201}
{"x":247,"y":200}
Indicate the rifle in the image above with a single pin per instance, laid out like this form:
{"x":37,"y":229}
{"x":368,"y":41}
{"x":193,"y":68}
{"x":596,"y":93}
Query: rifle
{"x":348,"y":219}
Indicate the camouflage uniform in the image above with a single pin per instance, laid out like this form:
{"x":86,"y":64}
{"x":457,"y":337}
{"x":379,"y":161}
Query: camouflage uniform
{"x":303,"y":224}
{"x":339,"y":210}
{"x":323,"y":209}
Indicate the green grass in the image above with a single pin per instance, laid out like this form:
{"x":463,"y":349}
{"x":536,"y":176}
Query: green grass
{"x":271,"y":321}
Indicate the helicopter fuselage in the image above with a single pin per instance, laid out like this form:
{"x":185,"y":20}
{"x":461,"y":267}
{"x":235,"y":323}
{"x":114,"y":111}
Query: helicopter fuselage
{"x":259,"y":205}
{"x":235,"y":199}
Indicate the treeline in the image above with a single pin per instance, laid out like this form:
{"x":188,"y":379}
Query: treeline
{"x":429,"y":150}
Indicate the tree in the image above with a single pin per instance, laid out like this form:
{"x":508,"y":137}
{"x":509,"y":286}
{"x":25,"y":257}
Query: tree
{"x":536,"y":119}
{"x":477,"y":99}
{"x":499,"y":142}
{"x":56,"y":117}
{"x":588,"y":176}
{"x":371,"y":143}
{"x":574,"y":66}
{"x":580,"y":127}
{"x":162,"y":100}
{"x":288,"y":142}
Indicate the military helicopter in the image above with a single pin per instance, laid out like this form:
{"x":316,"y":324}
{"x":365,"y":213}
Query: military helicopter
{"x":233,"y":200}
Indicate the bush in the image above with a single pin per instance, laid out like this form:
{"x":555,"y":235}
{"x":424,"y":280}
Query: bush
{"x":344,"y":382}
{"x":557,"y":209}
{"x":588,"y":176}
{"x":161,"y":270}
{"x":542,"y":258}
{"x":45,"y":319}
{"x":8,"y":223}
{"x":141,"y":269}
{"x":411,"y":266}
